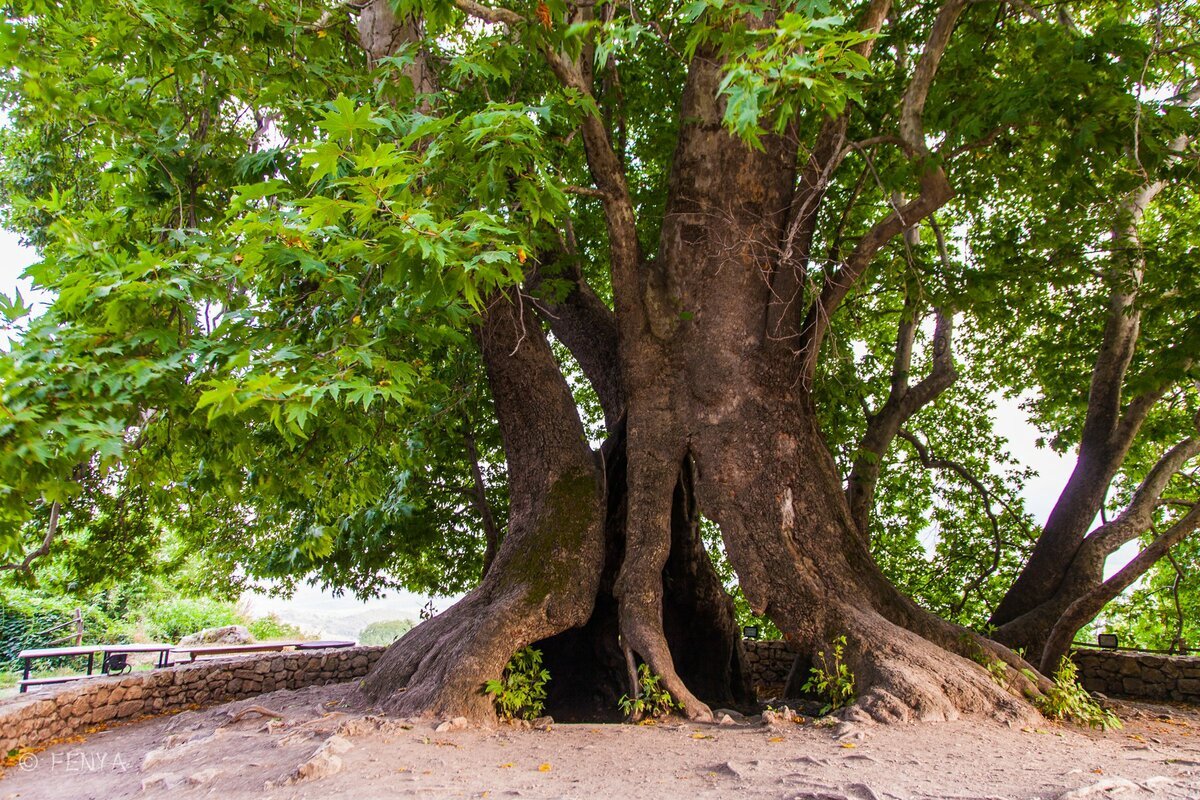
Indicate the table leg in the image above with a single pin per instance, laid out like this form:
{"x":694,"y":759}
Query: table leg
{"x":92,"y":660}
{"x":25,"y":677}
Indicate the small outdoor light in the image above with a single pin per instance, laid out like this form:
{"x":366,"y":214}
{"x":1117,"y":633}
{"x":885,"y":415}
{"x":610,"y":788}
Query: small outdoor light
{"x":1107,"y":640}
{"x":750,"y":632}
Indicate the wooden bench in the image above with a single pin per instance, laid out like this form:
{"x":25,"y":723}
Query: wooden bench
{"x":192,"y":653}
{"x":89,"y":650}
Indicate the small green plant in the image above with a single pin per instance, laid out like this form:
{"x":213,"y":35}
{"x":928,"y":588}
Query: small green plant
{"x":521,"y":691}
{"x":999,"y":672}
{"x":995,"y":667}
{"x":652,"y":700}
{"x":1066,"y":699}
{"x":832,"y":679}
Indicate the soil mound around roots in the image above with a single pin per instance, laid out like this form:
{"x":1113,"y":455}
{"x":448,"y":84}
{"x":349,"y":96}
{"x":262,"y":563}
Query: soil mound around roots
{"x":292,"y":744}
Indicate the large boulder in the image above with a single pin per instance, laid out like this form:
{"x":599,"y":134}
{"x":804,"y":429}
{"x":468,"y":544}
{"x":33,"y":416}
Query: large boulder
{"x":228,"y":634}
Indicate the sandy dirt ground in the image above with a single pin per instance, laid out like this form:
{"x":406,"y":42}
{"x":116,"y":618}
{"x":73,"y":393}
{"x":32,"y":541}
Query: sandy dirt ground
{"x":311,"y":749}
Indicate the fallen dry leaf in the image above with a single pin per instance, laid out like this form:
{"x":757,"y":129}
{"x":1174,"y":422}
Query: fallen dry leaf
{"x":544,"y":767}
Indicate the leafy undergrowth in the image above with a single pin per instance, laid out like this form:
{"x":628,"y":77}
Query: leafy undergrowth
{"x":1067,"y":700}
{"x":652,"y":699}
{"x":521,"y":691}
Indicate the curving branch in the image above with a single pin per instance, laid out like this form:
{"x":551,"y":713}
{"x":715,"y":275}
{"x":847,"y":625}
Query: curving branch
{"x":786,"y":309}
{"x":1109,"y":428}
{"x":26,"y":564}
{"x":478,"y":495}
{"x":1138,"y":514}
{"x":986,"y":498}
{"x":587,"y":327}
{"x":603,"y":161}
{"x":935,"y":191}
{"x":1089,"y":605}
{"x":903,"y":402}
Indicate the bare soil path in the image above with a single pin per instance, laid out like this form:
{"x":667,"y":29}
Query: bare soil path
{"x":314,"y":750}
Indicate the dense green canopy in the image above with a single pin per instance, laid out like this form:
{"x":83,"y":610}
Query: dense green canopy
{"x":266,"y":250}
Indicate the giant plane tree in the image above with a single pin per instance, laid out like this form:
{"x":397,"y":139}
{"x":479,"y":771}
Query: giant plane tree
{"x":571,"y":304}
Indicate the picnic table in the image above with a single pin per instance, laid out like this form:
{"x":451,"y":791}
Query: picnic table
{"x":89,"y":650}
{"x":193,"y":653}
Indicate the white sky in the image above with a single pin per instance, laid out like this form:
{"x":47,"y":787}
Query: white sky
{"x":334,"y":616}
{"x":13,"y":260}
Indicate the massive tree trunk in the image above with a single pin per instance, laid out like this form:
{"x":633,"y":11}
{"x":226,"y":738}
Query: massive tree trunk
{"x":546,"y":574}
{"x":712,"y":386}
{"x":715,"y":375}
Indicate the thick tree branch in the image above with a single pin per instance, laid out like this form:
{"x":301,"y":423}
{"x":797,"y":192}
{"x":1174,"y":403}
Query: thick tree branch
{"x":1108,"y":429}
{"x":786,"y":309}
{"x":588,"y":328}
{"x":606,"y":168}
{"x":1089,"y":605}
{"x":1138,"y":514}
{"x":902,"y":403}
{"x":935,"y":190}
{"x":26,"y":564}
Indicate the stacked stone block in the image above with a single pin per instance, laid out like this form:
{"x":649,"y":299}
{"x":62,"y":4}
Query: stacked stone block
{"x":1139,"y":675}
{"x":56,"y":712}
{"x":769,"y":663}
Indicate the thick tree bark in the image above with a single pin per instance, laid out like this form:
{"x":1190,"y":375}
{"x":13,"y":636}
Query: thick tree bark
{"x":719,"y":387}
{"x":546,"y":574}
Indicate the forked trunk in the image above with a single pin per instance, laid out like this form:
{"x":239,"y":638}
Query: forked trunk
{"x":698,"y":618}
{"x":708,"y":384}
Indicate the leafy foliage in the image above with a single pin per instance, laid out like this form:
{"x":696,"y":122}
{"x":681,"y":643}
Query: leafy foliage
{"x":652,"y":700}
{"x":1066,"y":699}
{"x":264,"y":256}
{"x":520,"y":693}
{"x":832,"y":679}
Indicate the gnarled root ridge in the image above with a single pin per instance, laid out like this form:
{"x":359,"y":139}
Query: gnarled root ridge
{"x":901,"y":677}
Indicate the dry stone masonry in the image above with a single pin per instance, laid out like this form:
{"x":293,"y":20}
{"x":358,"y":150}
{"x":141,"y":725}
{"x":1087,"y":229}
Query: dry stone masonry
{"x":1139,"y":675}
{"x":42,"y":716}
{"x":769,"y":663}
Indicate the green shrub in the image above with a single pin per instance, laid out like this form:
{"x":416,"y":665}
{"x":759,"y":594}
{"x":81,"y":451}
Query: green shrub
{"x":1066,"y":699}
{"x":521,"y":690}
{"x":270,"y":628}
{"x":652,"y":701}
{"x":385,"y":632}
{"x":25,"y":613}
{"x":832,"y":680}
{"x":171,"y":619}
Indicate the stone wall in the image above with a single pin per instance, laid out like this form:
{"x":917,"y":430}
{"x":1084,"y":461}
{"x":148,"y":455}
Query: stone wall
{"x":769,"y":663}
{"x":1114,"y":673}
{"x":55,"y":711}
{"x":1139,"y":675}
